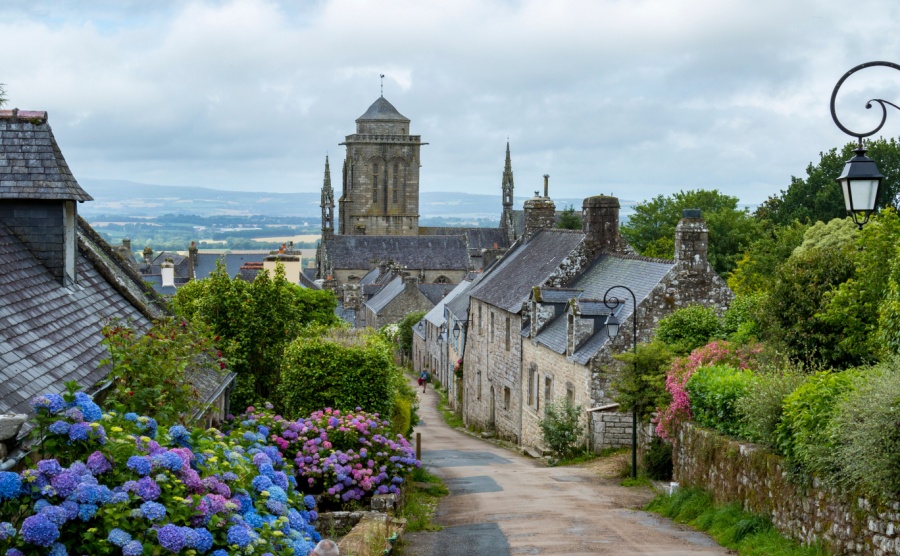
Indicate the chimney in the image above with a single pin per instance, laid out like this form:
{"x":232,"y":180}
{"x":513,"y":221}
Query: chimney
{"x":547,"y":185}
{"x":691,"y":242}
{"x":126,"y":243}
{"x":540,"y":212}
{"x":167,"y":269}
{"x":148,"y":255}
{"x":193,"y":253}
{"x":600,"y":223}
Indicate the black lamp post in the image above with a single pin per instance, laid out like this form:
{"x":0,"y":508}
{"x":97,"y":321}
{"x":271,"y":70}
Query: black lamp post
{"x":861,"y":180}
{"x":457,"y":328}
{"x":612,"y":330}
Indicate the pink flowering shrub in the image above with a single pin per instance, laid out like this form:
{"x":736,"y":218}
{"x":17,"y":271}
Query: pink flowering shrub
{"x":719,"y":352}
{"x":342,"y":457}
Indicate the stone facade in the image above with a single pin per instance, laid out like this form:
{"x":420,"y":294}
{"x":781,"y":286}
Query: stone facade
{"x":753,"y":476}
{"x":404,"y":303}
{"x":381,"y":175}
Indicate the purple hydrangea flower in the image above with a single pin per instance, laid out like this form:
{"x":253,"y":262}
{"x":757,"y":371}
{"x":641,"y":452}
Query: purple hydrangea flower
{"x":171,"y":537}
{"x":57,"y":514}
{"x":7,"y":531}
{"x":39,"y":530}
{"x":98,"y":464}
{"x":40,"y":402}
{"x":134,"y":548}
{"x":49,"y":467}
{"x":147,"y":489}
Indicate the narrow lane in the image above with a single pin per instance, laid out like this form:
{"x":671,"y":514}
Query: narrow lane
{"x":502,"y":503}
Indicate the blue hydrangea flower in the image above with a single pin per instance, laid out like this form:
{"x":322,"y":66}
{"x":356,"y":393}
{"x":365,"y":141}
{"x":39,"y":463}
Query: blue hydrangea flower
{"x":87,"y":511}
{"x":71,"y":509}
{"x":178,"y":433}
{"x":153,"y":511}
{"x":134,"y":548}
{"x":98,"y":464}
{"x":119,"y":537}
{"x":139,"y":464}
{"x":87,"y":493}
{"x":57,"y":514}
{"x":7,"y":531}
{"x":133,"y":417}
{"x":261,"y":483}
{"x":171,"y":537}
{"x":277,"y":493}
{"x":57,"y":403}
{"x":59,"y":427}
{"x":49,"y":467}
{"x":91,"y":410}
{"x":309,"y":501}
{"x":65,"y":483}
{"x":39,"y":530}
{"x":40,"y":402}
{"x":221,"y":552}
{"x":14,"y":552}
{"x":58,"y":549}
{"x":75,"y":414}
{"x":203,"y":540}
{"x":239,"y":535}
{"x":229,"y":476}
{"x":80,"y":431}
{"x":171,"y":461}
{"x":10,"y":485}
{"x":118,"y":497}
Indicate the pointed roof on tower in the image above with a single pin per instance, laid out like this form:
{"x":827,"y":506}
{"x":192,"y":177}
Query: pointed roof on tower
{"x":381,"y":109}
{"x":507,"y":180}
{"x":327,"y":191}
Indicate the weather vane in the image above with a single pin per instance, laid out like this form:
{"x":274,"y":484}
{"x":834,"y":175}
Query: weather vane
{"x":382,"y":84}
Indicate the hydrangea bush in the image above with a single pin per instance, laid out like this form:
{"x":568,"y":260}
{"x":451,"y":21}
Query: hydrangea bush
{"x":343,"y":457}
{"x":116,"y":484}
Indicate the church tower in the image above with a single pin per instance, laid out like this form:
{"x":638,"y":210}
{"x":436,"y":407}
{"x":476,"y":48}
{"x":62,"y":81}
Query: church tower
{"x":507,"y":223}
{"x":381,"y":175}
{"x":327,"y":205}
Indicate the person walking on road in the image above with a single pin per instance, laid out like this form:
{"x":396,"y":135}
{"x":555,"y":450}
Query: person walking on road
{"x":423,"y":380}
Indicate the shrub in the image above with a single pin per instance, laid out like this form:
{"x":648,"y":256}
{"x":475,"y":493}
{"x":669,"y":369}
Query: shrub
{"x":561,"y":426}
{"x":719,"y":352}
{"x":741,"y":322}
{"x":641,"y":383}
{"x":143,"y":491}
{"x":867,"y":428}
{"x":714,"y":392}
{"x":689,"y":328}
{"x":803,"y":435}
{"x":152,"y":372}
{"x":760,"y":408}
{"x":405,"y":333}
{"x":344,"y":369}
{"x":343,"y":456}
{"x":658,"y":460}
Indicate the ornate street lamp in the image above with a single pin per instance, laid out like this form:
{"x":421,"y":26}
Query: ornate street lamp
{"x":457,"y":329}
{"x":612,"y":330}
{"x":861,"y":180}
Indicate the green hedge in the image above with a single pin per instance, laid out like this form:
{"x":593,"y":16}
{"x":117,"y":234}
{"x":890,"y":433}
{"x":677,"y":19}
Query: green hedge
{"x":714,"y":392}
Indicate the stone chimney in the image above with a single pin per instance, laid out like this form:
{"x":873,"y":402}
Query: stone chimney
{"x":691,"y":242}
{"x":540,"y":212}
{"x":600,"y":223}
{"x":167,"y":269}
{"x":193,"y":257}
{"x":410,"y":279}
{"x":148,"y":255}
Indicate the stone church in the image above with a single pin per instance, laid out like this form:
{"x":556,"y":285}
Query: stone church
{"x":378,"y":213}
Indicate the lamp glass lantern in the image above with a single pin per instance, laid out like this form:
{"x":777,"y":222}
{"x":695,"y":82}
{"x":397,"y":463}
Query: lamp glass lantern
{"x":612,"y":326}
{"x":456,"y":330}
{"x":860,"y":184}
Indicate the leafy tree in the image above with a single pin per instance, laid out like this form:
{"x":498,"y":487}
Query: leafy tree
{"x":641,"y":384}
{"x":405,"y":333}
{"x":651,"y":229}
{"x":689,"y":328}
{"x":561,"y":426}
{"x":342,"y":369}
{"x":755,"y":270}
{"x":819,"y":196}
{"x":799,"y":293}
{"x":258,"y":320}
{"x":568,"y":220}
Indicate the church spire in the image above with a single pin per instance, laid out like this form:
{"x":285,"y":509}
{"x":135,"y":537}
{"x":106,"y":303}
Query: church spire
{"x":507,"y":222}
{"x":327,"y":205}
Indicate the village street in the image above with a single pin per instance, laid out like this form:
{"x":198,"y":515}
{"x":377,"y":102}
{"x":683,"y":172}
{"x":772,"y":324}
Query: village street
{"x":502,"y":503}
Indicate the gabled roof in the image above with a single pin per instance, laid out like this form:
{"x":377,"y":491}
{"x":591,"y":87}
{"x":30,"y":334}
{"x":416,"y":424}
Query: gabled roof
{"x":51,"y":334}
{"x":477,"y":238}
{"x":31,"y":164}
{"x":639,"y":274}
{"x":413,"y":252}
{"x":436,"y":315}
{"x":206,"y":262}
{"x":386,"y":295}
{"x":526,"y":265}
{"x":459,"y":305}
{"x":436,"y":292}
{"x":559,"y":295}
{"x":371,"y":277}
{"x":381,"y":109}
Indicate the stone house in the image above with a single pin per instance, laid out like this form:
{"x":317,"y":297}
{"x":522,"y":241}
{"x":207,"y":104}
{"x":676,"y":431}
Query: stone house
{"x":401,"y":296}
{"x":60,"y":282}
{"x":436,"y":354}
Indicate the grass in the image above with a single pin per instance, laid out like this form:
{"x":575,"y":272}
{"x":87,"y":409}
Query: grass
{"x":639,"y":481}
{"x":450,"y":416}
{"x":747,"y":534}
{"x":424,"y":491}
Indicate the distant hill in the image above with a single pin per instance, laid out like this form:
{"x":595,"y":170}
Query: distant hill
{"x":128,"y":198}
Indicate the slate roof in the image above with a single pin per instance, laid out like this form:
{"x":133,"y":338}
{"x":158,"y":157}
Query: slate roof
{"x":477,"y":238}
{"x":381,"y":109}
{"x":559,"y":295}
{"x":50,"y":334}
{"x":436,"y":315}
{"x":206,"y":262}
{"x":436,"y":292}
{"x":308,"y":282}
{"x":638,"y":273}
{"x":386,"y":295}
{"x":508,"y":283}
{"x":31,"y":164}
{"x":371,"y":277}
{"x":414,"y":252}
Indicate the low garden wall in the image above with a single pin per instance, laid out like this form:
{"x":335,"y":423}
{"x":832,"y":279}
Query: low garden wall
{"x":752,"y":475}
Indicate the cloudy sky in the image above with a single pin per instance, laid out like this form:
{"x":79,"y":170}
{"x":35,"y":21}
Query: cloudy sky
{"x":631,"y":97}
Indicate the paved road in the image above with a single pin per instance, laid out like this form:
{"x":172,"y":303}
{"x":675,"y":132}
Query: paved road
{"x":502,"y":503}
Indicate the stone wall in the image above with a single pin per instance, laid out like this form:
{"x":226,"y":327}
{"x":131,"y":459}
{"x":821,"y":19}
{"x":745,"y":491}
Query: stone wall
{"x":610,"y":429}
{"x":756,"y":478}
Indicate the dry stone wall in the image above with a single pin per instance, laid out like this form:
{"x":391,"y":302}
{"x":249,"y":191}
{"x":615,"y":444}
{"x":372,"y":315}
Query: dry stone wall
{"x":756,"y":478}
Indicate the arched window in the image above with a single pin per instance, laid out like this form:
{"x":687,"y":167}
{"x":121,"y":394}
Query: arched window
{"x":440,"y":279}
